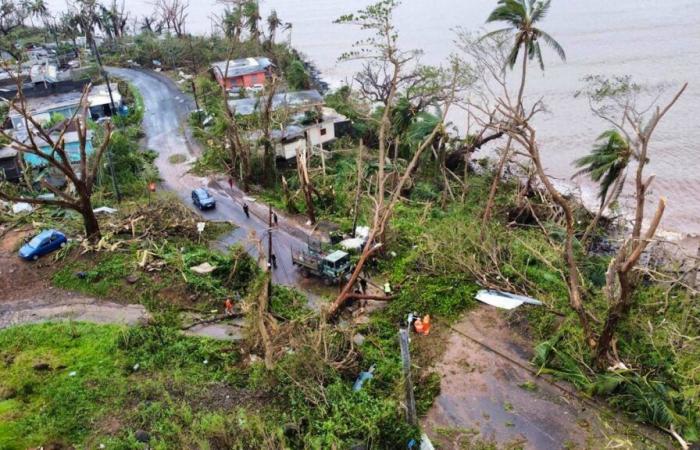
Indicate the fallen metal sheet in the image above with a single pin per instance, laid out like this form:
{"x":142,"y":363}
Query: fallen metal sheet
{"x":203,"y":269}
{"x":352,"y":243}
{"x":104,"y":210}
{"x":504,"y":300}
{"x":21,"y":207}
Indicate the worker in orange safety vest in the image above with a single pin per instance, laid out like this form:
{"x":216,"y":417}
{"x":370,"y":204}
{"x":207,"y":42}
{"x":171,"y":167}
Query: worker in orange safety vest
{"x":422,"y":326}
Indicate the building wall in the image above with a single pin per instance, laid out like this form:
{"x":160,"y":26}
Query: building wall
{"x":289,"y":150}
{"x":321,"y":133}
{"x":244,"y":80}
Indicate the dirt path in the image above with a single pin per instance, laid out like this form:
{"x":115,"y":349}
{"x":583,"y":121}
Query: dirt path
{"x":484,"y":396}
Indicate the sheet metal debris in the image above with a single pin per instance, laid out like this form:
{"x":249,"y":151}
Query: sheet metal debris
{"x":504,"y":300}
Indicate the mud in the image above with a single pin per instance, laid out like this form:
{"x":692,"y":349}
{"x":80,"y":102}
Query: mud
{"x":484,"y":396}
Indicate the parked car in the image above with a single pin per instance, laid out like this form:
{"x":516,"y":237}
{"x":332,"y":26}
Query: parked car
{"x":202,"y":199}
{"x":42,"y":244}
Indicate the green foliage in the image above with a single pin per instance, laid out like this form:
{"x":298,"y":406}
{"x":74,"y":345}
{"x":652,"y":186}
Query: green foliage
{"x":607,"y":162}
{"x":105,"y":275}
{"x":297,"y":77}
{"x":173,"y":393}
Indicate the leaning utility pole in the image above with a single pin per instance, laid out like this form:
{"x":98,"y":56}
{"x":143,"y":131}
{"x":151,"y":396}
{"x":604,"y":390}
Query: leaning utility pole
{"x":411,"y":415}
{"x":112,"y":109}
{"x":269,"y":254}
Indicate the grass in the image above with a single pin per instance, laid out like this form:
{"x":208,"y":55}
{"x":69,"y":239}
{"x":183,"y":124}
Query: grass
{"x":92,"y":394}
{"x":118,"y":275}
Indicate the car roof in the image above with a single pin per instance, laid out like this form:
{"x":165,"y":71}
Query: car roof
{"x":202,"y":191}
{"x":46,"y":233}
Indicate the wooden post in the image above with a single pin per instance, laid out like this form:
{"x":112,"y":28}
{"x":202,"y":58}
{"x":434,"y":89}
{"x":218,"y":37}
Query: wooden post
{"x":357,"y":191}
{"x":411,"y":416}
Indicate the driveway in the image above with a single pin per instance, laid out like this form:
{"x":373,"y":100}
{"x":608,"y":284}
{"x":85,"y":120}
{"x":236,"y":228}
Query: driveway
{"x":165,"y":122}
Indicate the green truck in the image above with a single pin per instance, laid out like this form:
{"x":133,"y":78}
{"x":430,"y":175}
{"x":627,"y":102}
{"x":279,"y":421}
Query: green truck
{"x":332,"y":267}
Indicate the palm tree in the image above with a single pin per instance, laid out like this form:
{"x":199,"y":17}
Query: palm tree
{"x":606,"y":165}
{"x":273,"y":23}
{"x":232,"y":23}
{"x":251,"y":12}
{"x":522,"y":17}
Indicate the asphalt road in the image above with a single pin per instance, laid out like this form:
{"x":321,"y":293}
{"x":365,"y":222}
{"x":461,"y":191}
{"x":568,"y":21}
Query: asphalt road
{"x":165,"y":117}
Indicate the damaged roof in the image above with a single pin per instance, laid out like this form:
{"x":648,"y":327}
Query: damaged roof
{"x":291,"y":100}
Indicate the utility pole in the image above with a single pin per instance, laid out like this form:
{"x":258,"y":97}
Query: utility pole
{"x":411,"y":416}
{"x":112,"y":109}
{"x":269,"y":254}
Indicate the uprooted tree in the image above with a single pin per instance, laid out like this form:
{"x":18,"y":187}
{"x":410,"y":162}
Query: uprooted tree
{"x":381,"y":50}
{"x":80,"y":174}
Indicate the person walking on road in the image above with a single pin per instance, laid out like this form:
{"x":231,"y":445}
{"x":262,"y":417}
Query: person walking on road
{"x":274,"y":218}
{"x":273,"y":258}
{"x":230,"y":183}
{"x":246,"y":210}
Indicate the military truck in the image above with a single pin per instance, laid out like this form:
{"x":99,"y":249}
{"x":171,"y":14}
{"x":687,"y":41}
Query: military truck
{"x":332,"y":267}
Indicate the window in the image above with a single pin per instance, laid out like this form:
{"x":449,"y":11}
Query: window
{"x":323,"y":131}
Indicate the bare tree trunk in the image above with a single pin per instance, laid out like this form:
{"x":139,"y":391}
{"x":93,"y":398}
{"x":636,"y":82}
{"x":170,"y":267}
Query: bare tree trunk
{"x":623,"y":265}
{"x":494,"y":185}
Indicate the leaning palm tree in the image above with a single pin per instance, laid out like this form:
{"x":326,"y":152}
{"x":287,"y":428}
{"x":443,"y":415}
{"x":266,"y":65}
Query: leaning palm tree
{"x":522,"y":17}
{"x":606,"y":165}
{"x":251,"y":12}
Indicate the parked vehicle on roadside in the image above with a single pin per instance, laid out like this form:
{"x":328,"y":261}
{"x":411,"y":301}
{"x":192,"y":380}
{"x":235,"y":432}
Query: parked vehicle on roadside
{"x":43,"y":243}
{"x":202,"y":199}
{"x":332,"y":268}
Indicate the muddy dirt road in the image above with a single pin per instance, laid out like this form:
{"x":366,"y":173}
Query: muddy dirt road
{"x":486,"y":397}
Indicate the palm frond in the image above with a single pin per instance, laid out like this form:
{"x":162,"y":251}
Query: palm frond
{"x":551,"y":42}
{"x":540,"y":10}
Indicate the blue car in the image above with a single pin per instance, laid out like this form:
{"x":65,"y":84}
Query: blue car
{"x":202,"y":199}
{"x":42,"y":244}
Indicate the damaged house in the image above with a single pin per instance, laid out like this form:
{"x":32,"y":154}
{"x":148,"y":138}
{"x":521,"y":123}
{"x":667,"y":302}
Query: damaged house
{"x":308,"y":123}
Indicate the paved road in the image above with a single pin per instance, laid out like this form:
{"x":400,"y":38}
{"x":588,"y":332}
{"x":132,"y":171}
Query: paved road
{"x":164,"y":122}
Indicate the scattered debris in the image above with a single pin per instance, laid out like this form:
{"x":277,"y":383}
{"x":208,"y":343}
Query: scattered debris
{"x":358,"y":339}
{"x":41,"y":367}
{"x":355,"y":243}
{"x":104,"y":210}
{"x":142,"y":436}
{"x":203,"y":269}
{"x":73,"y":373}
{"x":504,"y":300}
{"x":425,"y":443}
{"x":362,"y":378}
{"x":21,"y":207}
{"x":618,"y":366}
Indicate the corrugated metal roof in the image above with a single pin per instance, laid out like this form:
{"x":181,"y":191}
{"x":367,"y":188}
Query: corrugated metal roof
{"x":240,"y":67}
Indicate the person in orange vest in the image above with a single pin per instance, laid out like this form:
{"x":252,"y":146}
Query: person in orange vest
{"x":228,"y":305}
{"x":422,"y":326}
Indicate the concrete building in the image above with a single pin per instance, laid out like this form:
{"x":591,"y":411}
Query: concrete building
{"x":9,"y":164}
{"x":42,"y":108}
{"x":242,"y":73}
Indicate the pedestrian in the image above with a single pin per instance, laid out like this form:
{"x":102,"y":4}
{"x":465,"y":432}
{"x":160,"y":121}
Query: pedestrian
{"x":363,"y":285}
{"x":246,"y":210}
{"x":228,"y":306}
{"x":273,"y":258}
{"x":230,"y":183}
{"x":274,"y":218}
{"x":387,"y":289}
